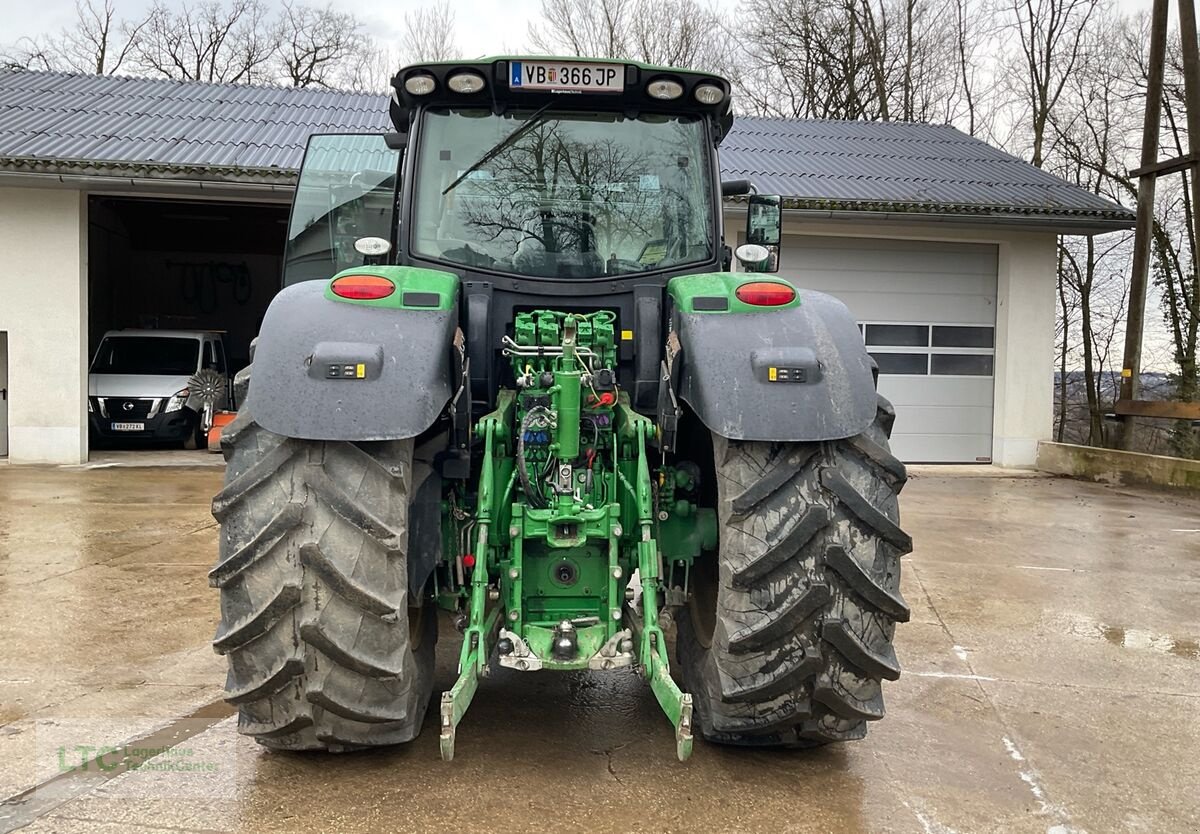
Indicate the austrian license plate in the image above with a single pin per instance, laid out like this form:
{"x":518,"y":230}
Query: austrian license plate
{"x":128,"y":426}
{"x":543,"y":76}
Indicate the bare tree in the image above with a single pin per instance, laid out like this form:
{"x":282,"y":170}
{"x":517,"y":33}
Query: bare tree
{"x":1050,"y":37}
{"x":680,"y":33}
{"x":96,"y":43}
{"x":318,"y":45}
{"x":1177,"y":277}
{"x":858,"y":59}
{"x":576,"y":27}
{"x":373,"y":69}
{"x":1174,"y":248}
{"x":229,"y":41}
{"x":209,"y":41}
{"x":1093,"y":125}
{"x":429,"y":34}
{"x":965,"y":43}
{"x":30,"y":54}
{"x":1091,"y":139}
{"x":804,"y":59}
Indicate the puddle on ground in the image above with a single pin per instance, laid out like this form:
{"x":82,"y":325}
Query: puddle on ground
{"x":1134,"y":638}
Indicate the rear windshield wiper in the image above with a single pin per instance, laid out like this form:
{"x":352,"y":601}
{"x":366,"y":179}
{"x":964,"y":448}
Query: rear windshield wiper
{"x":530,"y":123}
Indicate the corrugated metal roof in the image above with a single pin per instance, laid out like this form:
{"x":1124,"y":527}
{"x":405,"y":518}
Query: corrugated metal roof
{"x":893,"y":162}
{"x":158,"y":122}
{"x":60,"y":122}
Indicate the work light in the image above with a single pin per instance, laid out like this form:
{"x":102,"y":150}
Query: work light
{"x":709,"y":94}
{"x":465,"y":82}
{"x":420,"y":84}
{"x":664,"y":89}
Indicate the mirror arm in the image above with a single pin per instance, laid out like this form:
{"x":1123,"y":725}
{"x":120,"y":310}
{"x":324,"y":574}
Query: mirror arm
{"x":737,"y":188}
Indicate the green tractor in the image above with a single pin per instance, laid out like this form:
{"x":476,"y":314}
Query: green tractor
{"x":512,"y":376}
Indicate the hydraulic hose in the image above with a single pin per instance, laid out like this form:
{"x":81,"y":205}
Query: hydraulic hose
{"x":535,"y":498}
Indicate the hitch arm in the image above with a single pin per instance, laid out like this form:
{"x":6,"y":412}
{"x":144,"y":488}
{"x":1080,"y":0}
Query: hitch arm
{"x":481,"y":628}
{"x":655,"y":664}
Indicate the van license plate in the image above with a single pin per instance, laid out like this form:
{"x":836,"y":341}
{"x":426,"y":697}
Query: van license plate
{"x":128,"y":426}
{"x":547,"y":76}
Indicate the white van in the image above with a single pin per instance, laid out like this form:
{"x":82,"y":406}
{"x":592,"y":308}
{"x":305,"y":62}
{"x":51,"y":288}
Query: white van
{"x":138,"y":385}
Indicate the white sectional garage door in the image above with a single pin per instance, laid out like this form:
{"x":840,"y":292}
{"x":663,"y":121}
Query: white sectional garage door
{"x":928,"y":312}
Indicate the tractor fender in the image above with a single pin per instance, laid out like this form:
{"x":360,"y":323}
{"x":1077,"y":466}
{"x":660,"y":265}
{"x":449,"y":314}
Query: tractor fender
{"x":799,"y":373}
{"x":326,"y":369}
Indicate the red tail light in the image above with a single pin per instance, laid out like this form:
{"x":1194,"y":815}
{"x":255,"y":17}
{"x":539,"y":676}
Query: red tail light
{"x":765,"y":294}
{"x":361,"y":287}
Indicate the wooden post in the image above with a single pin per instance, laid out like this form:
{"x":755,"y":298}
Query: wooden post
{"x":1144,"y":231}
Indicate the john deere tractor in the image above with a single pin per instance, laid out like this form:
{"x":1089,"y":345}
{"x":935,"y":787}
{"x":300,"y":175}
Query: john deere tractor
{"x":520,"y":372}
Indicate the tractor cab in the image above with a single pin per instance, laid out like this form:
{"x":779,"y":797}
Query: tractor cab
{"x":562,"y":172}
{"x":595,"y":182}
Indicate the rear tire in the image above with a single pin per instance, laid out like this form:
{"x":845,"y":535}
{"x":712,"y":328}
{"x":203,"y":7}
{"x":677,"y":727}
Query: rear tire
{"x":325,"y":652}
{"x":788,"y":634}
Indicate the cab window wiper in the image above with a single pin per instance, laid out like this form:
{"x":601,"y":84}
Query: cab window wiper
{"x":533,"y":121}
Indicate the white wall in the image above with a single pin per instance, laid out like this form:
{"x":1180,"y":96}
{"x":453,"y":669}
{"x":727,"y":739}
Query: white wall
{"x":1024,"y":348}
{"x":1025,"y":308}
{"x":43,"y":308}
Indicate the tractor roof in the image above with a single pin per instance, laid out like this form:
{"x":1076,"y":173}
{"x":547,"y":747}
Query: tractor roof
{"x":501,"y":89}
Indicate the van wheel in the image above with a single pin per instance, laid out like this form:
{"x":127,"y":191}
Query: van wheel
{"x":197,"y":438}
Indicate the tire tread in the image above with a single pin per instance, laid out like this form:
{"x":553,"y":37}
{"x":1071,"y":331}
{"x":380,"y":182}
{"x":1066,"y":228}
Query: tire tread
{"x":314,"y":595}
{"x":808,"y":592}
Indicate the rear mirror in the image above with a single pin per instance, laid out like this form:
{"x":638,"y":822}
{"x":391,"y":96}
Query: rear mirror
{"x":764,"y":227}
{"x":764,"y":219}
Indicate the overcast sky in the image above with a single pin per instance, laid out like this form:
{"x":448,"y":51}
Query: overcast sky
{"x":483,"y":27}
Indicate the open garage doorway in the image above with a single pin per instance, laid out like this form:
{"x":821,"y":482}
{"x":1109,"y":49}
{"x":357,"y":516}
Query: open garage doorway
{"x":176,"y":268}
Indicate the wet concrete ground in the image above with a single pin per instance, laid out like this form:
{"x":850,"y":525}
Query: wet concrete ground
{"x":1051,"y":685}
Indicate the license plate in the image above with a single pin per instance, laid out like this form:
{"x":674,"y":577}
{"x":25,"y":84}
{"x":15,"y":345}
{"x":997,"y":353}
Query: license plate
{"x":128,"y":426}
{"x":543,"y":76}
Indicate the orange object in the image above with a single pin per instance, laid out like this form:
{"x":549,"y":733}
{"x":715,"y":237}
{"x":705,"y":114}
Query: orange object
{"x":220,"y":420}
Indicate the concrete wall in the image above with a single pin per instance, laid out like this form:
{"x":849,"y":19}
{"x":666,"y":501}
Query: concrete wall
{"x":43,"y":308}
{"x":1115,"y":467}
{"x":1025,"y":309}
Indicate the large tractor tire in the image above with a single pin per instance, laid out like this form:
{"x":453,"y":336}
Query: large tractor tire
{"x":788,"y":633}
{"x":326,"y":650}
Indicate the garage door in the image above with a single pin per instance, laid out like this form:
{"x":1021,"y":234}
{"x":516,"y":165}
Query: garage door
{"x":928,"y":314}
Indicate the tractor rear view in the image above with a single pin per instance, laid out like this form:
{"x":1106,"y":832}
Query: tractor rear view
{"x":511,"y":376}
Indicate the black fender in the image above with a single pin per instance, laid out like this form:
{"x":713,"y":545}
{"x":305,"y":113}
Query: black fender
{"x":307,"y":382}
{"x":799,"y":373}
